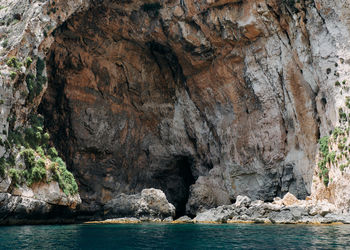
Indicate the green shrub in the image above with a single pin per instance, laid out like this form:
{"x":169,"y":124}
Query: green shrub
{"x":40,"y":66}
{"x":33,"y":137}
{"x":337,"y":83}
{"x":38,"y":172}
{"x":45,"y":138}
{"x":16,"y":176}
{"x":342,"y":115}
{"x":15,"y":138}
{"x":52,"y":152}
{"x":64,"y":178}
{"x":29,"y":157}
{"x":324,"y":145}
{"x":13,"y":75}
{"x":35,"y":170}
{"x":28,"y":61}
{"x":37,"y":121}
{"x":34,"y":85}
{"x":326,"y":157}
{"x":326,"y":181}
{"x":40,"y":151}
{"x":331,"y":157}
{"x":13,"y":62}
{"x":342,"y":167}
{"x":336,"y":132}
{"x":347,"y":102}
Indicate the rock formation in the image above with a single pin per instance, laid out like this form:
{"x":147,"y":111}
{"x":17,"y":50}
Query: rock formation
{"x":149,"y":205}
{"x":204,"y":100}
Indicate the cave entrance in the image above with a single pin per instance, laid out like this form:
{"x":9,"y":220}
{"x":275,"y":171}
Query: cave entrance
{"x":176,"y":180}
{"x":108,"y":93}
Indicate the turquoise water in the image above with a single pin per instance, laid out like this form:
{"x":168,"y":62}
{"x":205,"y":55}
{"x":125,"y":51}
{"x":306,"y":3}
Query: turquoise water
{"x":153,"y":236}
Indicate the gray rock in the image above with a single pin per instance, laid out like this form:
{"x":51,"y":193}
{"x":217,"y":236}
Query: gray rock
{"x":168,"y":219}
{"x":23,"y":210}
{"x":4,"y":184}
{"x":219,"y":214}
{"x":243,"y":201}
{"x":283,"y":217}
{"x":183,"y":219}
{"x":148,"y":205}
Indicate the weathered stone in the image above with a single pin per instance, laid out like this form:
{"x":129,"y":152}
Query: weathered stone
{"x":322,"y":208}
{"x":183,"y":219}
{"x":149,"y":205}
{"x":289,"y":200}
{"x":4,"y":184}
{"x":242,"y":201}
{"x":220,"y":214}
{"x":23,"y":210}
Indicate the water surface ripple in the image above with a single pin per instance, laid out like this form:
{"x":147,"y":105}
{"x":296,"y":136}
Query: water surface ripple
{"x":163,"y":236}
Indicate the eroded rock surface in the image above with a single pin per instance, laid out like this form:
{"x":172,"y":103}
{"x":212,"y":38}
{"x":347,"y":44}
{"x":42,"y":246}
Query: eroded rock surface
{"x":205,"y":100}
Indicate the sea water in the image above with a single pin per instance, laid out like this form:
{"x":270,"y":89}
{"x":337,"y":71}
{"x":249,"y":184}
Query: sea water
{"x":175,"y":236}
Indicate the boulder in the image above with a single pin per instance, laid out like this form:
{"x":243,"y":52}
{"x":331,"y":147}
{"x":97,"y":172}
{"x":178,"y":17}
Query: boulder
{"x":220,"y":214}
{"x":289,"y":200}
{"x":322,"y":208}
{"x":147,"y":205}
{"x":243,"y":201}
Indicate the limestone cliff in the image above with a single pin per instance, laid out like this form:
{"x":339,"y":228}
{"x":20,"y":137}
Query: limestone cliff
{"x":205,"y":100}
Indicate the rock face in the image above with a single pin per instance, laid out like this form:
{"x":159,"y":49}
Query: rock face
{"x":24,"y":210}
{"x":204,"y":100}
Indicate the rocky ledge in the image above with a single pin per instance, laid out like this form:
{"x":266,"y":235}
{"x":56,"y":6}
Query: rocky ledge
{"x":288,"y":210}
{"x":41,"y":203}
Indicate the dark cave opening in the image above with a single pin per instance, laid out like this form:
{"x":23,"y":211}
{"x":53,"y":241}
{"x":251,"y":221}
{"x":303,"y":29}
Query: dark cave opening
{"x":184,"y":164}
{"x":175,"y":181}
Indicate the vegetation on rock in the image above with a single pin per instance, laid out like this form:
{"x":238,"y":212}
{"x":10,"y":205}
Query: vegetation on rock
{"x":334,"y":149}
{"x":35,"y":151}
{"x":35,"y":83}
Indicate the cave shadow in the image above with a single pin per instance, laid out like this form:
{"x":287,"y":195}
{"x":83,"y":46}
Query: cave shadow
{"x":175,"y":180}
